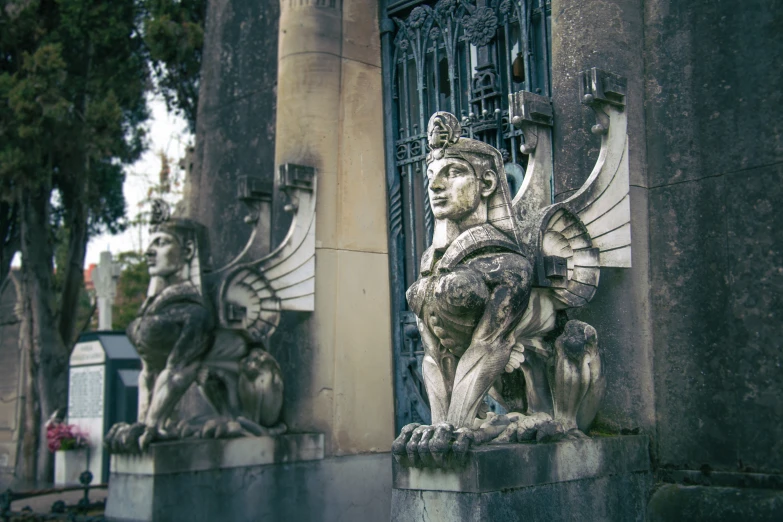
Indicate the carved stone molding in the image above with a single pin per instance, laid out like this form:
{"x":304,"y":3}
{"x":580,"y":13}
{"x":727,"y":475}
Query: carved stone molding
{"x":532,"y":113}
{"x":599,"y":89}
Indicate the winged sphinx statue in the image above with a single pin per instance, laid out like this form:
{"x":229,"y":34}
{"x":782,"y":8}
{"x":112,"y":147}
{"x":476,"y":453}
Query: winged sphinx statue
{"x":203,"y":335}
{"x":501,"y":274}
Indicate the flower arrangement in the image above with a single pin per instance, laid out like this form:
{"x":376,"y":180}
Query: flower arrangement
{"x":61,"y":436}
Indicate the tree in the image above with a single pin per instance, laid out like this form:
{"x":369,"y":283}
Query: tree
{"x":74,"y":75}
{"x":175,"y":35}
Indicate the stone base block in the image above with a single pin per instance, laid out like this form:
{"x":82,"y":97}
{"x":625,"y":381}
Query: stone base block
{"x":208,"y":480}
{"x":715,"y":504}
{"x":601,"y":479}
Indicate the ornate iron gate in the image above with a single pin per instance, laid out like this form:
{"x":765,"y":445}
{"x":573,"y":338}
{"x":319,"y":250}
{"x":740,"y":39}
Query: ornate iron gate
{"x":464,"y":57}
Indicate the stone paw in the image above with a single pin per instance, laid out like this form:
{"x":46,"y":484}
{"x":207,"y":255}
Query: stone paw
{"x":516,"y":427}
{"x":255,"y":429}
{"x":223,"y":428}
{"x":124,"y":437}
{"x":148,"y":436}
{"x":437,"y":446}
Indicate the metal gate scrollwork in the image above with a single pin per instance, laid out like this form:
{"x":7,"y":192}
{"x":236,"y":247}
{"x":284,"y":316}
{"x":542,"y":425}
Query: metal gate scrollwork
{"x":464,"y":57}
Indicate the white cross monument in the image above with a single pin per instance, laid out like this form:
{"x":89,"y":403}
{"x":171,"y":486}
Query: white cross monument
{"x":105,"y":277}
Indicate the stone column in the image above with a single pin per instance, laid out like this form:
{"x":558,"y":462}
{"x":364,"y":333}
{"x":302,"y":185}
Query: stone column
{"x":715,"y":160}
{"x":235,"y":134}
{"x":608,"y":34}
{"x":337,"y":362}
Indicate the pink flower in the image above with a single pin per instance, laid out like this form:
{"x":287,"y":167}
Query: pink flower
{"x":61,"y":436}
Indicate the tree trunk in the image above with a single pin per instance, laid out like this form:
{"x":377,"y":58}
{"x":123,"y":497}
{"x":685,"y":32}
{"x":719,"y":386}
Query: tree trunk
{"x":73,"y":277}
{"x":75,"y":204}
{"x":47,"y":382}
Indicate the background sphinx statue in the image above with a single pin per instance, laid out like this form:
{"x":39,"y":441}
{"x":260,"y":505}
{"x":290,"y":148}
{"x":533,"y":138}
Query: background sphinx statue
{"x":203,"y":335}
{"x":493,"y":290}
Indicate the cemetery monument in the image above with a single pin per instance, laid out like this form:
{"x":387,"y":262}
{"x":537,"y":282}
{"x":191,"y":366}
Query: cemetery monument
{"x":186,"y":344}
{"x":202,"y":335}
{"x":103,"y":374}
{"x":491,"y":306}
{"x":105,"y":278}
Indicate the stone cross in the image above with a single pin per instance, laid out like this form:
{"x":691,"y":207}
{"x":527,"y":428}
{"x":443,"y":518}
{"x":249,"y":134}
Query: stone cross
{"x":105,"y":278}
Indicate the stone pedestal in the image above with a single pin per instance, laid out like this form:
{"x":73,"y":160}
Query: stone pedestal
{"x":587,"y":480}
{"x":69,"y":464}
{"x":206,"y":480}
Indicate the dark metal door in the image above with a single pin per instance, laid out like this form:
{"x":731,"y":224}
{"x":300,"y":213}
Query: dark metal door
{"x":464,"y":57}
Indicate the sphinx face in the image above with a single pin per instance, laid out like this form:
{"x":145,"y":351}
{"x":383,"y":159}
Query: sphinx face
{"x":454,"y":189}
{"x":165,"y":256}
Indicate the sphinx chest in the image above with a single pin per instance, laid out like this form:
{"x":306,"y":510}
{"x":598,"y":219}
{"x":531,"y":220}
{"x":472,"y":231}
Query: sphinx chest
{"x":451,"y":303}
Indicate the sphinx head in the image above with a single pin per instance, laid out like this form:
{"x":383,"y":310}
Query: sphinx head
{"x":168,"y":256}
{"x":178,"y":251}
{"x":460,"y":188}
{"x":467,"y":183}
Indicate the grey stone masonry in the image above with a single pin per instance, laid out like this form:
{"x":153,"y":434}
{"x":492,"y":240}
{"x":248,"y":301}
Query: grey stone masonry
{"x":604,"y":478}
{"x":151,"y":486}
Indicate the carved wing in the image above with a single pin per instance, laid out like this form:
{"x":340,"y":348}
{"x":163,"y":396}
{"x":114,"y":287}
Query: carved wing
{"x":253,"y":293}
{"x":573,"y":239}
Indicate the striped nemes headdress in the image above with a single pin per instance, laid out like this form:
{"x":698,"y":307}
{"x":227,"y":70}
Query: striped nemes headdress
{"x":184,"y":230}
{"x":444,"y":135}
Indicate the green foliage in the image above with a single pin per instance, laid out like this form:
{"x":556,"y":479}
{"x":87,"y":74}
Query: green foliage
{"x":33,"y":114}
{"x":174,"y":32}
{"x":74,"y":81}
{"x":131,"y":288}
{"x":75,"y":75}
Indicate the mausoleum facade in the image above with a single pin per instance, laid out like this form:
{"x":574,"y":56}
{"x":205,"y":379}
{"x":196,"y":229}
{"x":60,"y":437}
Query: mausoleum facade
{"x":322,"y":127}
{"x":688,"y":334}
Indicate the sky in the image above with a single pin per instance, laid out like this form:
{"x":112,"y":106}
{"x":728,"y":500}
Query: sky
{"x":167,"y":133}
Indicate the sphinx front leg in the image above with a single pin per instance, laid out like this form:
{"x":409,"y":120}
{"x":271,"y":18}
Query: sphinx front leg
{"x":146,"y":385}
{"x":170,"y":386}
{"x":430,"y":441}
{"x":482,"y":363}
{"x":417,"y":442}
{"x":123,"y":437}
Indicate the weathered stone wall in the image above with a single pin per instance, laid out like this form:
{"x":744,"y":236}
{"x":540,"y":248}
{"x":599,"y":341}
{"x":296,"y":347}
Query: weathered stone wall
{"x":714,"y":113}
{"x":235,"y":133}
{"x":691,"y":334}
{"x":326,"y":112}
{"x":606,"y":34}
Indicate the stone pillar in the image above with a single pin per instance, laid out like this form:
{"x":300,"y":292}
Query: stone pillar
{"x":337,"y":362}
{"x":607,"y":34}
{"x":235,"y":134}
{"x":104,"y":278}
{"x":715,"y":160}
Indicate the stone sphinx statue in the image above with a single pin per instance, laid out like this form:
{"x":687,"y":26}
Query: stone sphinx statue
{"x":495,"y":285}
{"x":203,"y":335}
